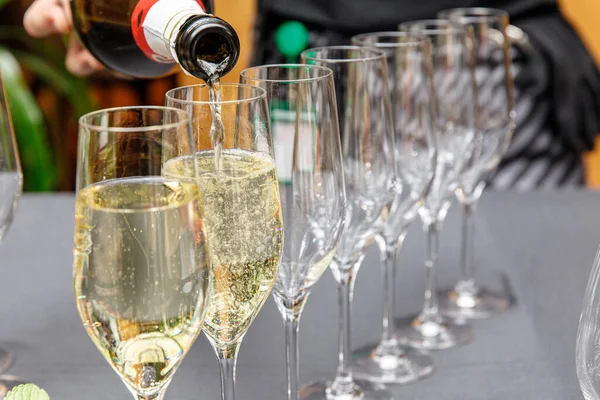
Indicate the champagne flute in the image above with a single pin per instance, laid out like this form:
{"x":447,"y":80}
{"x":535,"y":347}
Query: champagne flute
{"x":453,"y":81}
{"x":313,"y":198}
{"x":140,"y":271}
{"x":411,"y":86}
{"x":242,"y":210}
{"x":364,"y":110}
{"x":11,"y":186}
{"x":586,"y":352}
{"x":495,"y":124}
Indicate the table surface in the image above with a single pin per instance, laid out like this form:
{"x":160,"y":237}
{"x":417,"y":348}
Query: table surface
{"x":545,"y":242}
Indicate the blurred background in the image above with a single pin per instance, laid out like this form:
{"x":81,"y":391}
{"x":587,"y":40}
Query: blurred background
{"x":46,"y":100}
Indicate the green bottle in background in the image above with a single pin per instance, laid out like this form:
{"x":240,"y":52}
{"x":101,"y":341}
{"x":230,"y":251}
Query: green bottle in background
{"x":291,"y":39}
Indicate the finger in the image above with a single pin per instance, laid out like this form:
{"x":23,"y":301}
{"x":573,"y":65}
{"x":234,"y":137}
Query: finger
{"x":47,"y":17}
{"x":79,"y":61}
{"x":68,"y":12}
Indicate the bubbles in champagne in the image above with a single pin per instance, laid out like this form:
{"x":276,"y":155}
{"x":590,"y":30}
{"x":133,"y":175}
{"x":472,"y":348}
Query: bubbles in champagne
{"x":141,"y":274}
{"x":245,"y":235}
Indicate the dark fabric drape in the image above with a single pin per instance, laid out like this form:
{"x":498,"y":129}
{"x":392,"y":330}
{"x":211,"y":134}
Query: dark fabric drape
{"x":562,"y":69}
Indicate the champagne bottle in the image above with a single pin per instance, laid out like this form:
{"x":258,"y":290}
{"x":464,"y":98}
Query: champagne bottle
{"x":147,"y":38}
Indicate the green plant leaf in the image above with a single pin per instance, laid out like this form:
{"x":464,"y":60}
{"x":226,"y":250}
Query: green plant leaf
{"x":47,"y":59}
{"x":74,"y":89}
{"x":39,"y":169}
{"x":27,"y":391}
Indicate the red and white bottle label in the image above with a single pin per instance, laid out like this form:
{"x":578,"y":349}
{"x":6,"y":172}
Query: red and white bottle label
{"x":153,"y":22}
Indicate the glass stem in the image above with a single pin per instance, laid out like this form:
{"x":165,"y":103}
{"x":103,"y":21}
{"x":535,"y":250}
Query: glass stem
{"x":291,"y":353}
{"x":343,"y":385}
{"x":431,"y":256}
{"x":466,"y":285}
{"x":469,"y":198}
{"x":388,"y":258}
{"x":227,"y":358}
{"x":291,"y":309}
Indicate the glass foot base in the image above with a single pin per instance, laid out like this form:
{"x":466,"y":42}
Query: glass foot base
{"x":363,"y":390}
{"x":435,"y":334}
{"x":408,"y":366}
{"x":482,"y":305}
{"x":7,"y":359}
{"x":7,"y":382}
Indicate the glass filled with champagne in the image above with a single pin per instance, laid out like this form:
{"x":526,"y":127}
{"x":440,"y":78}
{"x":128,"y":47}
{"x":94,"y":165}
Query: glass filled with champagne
{"x":141,"y":270}
{"x":242,"y":210}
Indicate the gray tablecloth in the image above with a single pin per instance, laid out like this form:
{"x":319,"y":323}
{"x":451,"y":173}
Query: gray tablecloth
{"x":544,"y":242}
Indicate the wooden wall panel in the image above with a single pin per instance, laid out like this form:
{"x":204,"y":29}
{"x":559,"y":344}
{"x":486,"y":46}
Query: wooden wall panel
{"x":592,"y":167}
{"x":585,"y":16}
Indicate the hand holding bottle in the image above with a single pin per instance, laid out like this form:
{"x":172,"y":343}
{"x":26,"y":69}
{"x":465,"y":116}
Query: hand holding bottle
{"x":143,"y":38}
{"x":53,"y":17}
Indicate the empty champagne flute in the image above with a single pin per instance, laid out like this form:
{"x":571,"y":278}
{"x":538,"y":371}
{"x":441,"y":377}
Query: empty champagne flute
{"x":410,"y":81}
{"x":313,"y":198}
{"x":11,"y":186}
{"x":455,"y":119}
{"x":364,"y":111}
{"x":588,"y":334}
{"x":141,"y":270}
{"x":495,"y":116}
{"x":242,"y":211}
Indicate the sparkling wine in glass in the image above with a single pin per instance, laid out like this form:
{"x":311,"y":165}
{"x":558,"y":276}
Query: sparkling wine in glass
{"x":304,"y":117}
{"x":410,"y":81}
{"x":455,"y":123}
{"x":242,"y":210}
{"x":495,"y":112}
{"x":141,"y":269}
{"x":365,"y":116}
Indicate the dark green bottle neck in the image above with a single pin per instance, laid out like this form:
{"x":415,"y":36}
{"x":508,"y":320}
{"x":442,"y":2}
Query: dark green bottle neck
{"x":207,"y":46}
{"x":209,"y":5}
